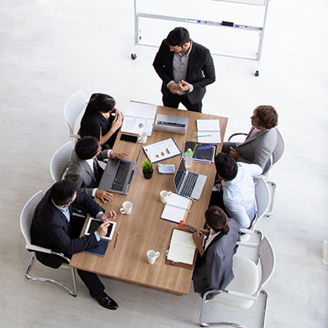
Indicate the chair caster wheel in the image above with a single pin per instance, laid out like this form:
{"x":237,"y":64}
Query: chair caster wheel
{"x":133,"y":56}
{"x":257,"y":73}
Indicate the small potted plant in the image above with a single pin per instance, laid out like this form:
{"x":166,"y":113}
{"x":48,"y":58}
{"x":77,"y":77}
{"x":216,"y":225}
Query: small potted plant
{"x":147,"y":169}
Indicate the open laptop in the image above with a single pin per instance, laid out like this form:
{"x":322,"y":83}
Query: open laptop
{"x":188,"y":184}
{"x":118,"y":175}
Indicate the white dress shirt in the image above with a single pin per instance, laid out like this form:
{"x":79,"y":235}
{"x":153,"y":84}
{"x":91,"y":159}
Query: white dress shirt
{"x":239,"y":194}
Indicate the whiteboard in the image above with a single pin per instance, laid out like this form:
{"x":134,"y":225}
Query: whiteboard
{"x":247,"y":2}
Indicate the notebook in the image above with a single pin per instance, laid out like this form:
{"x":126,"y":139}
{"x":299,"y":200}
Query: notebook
{"x":176,"y":208}
{"x":188,"y":184}
{"x":118,"y":175}
{"x":208,"y":131}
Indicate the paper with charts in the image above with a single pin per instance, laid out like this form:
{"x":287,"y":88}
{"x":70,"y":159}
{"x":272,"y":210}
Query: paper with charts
{"x":182,"y":247}
{"x":139,"y":118}
{"x":161,"y":150}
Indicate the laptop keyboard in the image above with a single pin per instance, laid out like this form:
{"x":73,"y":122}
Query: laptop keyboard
{"x":189,"y":183}
{"x":121,"y":175}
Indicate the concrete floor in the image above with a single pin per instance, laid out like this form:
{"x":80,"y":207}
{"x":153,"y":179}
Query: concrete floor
{"x":50,"y":49}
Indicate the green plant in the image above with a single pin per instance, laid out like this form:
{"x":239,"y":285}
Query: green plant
{"x":147,"y":166}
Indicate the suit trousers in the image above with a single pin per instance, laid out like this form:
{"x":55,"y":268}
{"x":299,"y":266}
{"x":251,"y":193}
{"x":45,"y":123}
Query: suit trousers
{"x":91,"y":280}
{"x":172,"y":100}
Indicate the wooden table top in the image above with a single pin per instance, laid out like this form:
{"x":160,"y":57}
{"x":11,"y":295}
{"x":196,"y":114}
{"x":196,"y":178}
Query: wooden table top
{"x":144,"y":229}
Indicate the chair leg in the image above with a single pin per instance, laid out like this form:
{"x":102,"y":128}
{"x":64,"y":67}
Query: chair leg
{"x":202,"y":323}
{"x":72,"y":292}
{"x":272,"y":187}
{"x":265,"y":306}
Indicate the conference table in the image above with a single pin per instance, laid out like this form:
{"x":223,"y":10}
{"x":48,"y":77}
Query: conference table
{"x":144,"y":229}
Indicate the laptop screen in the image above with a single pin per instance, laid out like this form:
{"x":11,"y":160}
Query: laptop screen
{"x":179,"y":175}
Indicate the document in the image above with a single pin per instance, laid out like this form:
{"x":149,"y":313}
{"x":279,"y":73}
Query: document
{"x":208,"y":131}
{"x":139,"y":118}
{"x":177,"y":208}
{"x":161,"y":150}
{"x":182,"y":247}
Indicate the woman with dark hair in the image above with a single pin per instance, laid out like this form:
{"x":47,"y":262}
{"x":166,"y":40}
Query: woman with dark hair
{"x":213,"y":269}
{"x":101,"y":120}
{"x":261,"y":140}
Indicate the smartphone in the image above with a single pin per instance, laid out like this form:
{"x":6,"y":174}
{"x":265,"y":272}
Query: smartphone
{"x":127,"y":137}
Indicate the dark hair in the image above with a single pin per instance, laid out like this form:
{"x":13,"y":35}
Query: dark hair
{"x":86,"y":147}
{"x":226,"y":166}
{"x":217,"y":219}
{"x":62,"y":192}
{"x":178,"y":37}
{"x":267,"y":116}
{"x":100,"y":102}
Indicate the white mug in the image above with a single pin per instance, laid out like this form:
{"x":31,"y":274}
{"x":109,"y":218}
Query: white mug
{"x":164,"y":196}
{"x":126,"y":208}
{"x":142,"y":137}
{"x":152,"y":256}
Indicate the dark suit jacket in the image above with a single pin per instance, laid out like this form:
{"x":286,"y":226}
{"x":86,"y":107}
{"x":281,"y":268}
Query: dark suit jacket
{"x":50,"y":229}
{"x":200,"y":70}
{"x":81,"y":174}
{"x":214,"y":269}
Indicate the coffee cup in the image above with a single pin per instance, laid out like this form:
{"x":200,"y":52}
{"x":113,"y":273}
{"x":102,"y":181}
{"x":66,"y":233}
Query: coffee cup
{"x":152,"y":256}
{"x":126,"y":208}
{"x":142,"y":137}
{"x":164,"y":196}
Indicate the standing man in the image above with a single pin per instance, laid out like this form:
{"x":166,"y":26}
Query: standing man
{"x":185,"y":68}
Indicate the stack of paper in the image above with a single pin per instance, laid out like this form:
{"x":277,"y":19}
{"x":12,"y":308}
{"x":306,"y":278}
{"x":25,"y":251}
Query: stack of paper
{"x":182,"y":247}
{"x":139,"y":118}
{"x":208,"y":131}
{"x":177,"y":208}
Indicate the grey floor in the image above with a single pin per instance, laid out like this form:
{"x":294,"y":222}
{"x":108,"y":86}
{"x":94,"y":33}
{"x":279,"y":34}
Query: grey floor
{"x":50,"y":49}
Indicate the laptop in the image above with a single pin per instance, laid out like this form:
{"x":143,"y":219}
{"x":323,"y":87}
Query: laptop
{"x":187,"y":183}
{"x":174,"y":124}
{"x":118,"y":175}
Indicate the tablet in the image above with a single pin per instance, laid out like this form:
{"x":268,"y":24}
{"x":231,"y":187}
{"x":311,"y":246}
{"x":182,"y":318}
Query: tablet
{"x":93,"y":225}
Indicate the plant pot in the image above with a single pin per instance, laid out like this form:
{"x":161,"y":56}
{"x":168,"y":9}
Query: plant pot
{"x":147,"y":175}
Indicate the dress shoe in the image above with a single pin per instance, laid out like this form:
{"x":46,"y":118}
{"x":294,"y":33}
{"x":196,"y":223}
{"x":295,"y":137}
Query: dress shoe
{"x":104,"y":300}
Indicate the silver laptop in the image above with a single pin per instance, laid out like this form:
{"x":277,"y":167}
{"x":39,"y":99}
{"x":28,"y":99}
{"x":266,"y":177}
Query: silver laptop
{"x":118,"y":175}
{"x":188,"y":184}
{"x":174,"y":124}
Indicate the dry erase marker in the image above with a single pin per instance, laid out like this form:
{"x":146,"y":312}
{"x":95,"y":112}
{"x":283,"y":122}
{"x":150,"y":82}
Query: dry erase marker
{"x":207,"y":135}
{"x":189,"y":227}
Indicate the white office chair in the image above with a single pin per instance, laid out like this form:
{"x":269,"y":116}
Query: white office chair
{"x":60,"y":161}
{"x":262,"y":198}
{"x":246,"y":286}
{"x":25,"y":224}
{"x":74,"y":107}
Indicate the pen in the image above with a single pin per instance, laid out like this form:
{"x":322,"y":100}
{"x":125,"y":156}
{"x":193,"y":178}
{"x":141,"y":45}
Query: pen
{"x":207,"y":135}
{"x":115,"y":242}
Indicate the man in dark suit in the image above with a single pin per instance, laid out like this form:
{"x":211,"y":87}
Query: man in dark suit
{"x":213,"y":269}
{"x":55,"y":227}
{"x":84,"y":169}
{"x":185,"y":68}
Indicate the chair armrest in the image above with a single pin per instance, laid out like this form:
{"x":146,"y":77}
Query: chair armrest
{"x":35,"y":248}
{"x":237,"y":134}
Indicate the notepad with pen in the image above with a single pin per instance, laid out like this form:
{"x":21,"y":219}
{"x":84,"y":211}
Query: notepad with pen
{"x":202,"y":152}
{"x":177,"y":208}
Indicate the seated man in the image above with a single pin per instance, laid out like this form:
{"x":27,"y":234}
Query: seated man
{"x":237,"y":193}
{"x":84,"y":169}
{"x":55,"y":227}
{"x":261,"y":140}
{"x":213,"y":269}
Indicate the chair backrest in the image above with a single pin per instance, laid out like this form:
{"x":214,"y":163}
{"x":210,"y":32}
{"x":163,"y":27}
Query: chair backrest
{"x":279,"y":150}
{"x":27,"y":215}
{"x":267,"y":260}
{"x":60,"y":161}
{"x":262,"y":199}
{"x":74,"y":106}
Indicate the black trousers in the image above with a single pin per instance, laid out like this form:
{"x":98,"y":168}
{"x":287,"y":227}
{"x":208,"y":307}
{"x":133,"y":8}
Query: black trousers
{"x":217,"y":200}
{"x":91,"y":280}
{"x":172,"y":100}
